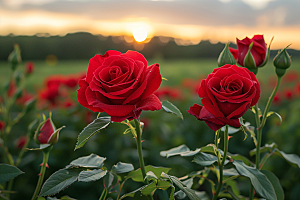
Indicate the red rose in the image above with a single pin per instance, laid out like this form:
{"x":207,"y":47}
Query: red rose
{"x":29,"y":67}
{"x":227,"y":93}
{"x":258,"y":55}
{"x":47,"y":133}
{"x":122,"y":85}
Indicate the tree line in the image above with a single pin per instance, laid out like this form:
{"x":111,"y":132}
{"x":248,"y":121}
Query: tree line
{"x":84,"y":45}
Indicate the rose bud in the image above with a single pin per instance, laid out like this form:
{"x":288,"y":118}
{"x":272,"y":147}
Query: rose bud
{"x":282,"y":61}
{"x":29,"y":67}
{"x":46,"y":132}
{"x":21,"y":141}
{"x":226,"y":57}
{"x":227,"y":93}
{"x":253,"y":53}
{"x":15,"y":57}
{"x":122,"y":85}
{"x":2,"y":125}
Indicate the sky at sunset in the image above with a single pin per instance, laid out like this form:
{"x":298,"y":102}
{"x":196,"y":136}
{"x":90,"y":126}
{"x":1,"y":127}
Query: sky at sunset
{"x":189,"y":21}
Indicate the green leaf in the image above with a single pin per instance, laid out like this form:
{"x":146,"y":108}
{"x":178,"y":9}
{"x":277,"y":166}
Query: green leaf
{"x":230,"y":191}
{"x":137,"y":174}
{"x":94,"y":175}
{"x":188,"y":191}
{"x":110,"y":181}
{"x":230,"y":172}
{"x":163,"y":185}
{"x":150,"y":176}
{"x":59,"y":181}
{"x":122,"y":168}
{"x":276,"y":184}
{"x":259,"y":181}
{"x":181,"y":150}
{"x":242,"y":158}
{"x":231,"y":130}
{"x":8,"y":172}
{"x":170,"y":108}
{"x":272,"y":112}
{"x":267,"y":147}
{"x":145,"y":190}
{"x":91,"y":129}
{"x":66,"y":197}
{"x":206,"y":159}
{"x":291,"y":158}
{"x":91,"y":161}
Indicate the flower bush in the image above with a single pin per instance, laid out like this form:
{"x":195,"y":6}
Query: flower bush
{"x":116,"y":89}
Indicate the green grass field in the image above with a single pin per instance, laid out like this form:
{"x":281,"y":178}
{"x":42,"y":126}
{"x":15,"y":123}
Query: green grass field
{"x":173,"y":70}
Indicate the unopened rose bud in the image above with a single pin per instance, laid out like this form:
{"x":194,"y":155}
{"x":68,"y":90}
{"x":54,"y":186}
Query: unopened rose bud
{"x":253,"y":53}
{"x":15,"y":57}
{"x":29,"y":67}
{"x":282,"y":61}
{"x":226,"y":57}
{"x":46,"y":132}
{"x":2,"y":125}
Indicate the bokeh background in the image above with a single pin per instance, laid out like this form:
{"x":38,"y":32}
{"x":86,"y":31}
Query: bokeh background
{"x":58,"y":37}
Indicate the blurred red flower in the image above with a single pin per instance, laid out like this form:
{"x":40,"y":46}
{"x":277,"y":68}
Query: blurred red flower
{"x":29,"y":67}
{"x":2,"y":125}
{"x":21,"y":141}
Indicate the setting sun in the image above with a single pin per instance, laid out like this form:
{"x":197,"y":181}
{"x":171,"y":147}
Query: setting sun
{"x":140,"y":34}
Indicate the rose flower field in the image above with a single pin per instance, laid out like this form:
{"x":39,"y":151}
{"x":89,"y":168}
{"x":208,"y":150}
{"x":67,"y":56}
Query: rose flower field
{"x":121,"y":126}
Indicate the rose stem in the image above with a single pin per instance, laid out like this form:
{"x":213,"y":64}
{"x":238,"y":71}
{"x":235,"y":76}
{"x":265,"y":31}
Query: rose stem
{"x":259,"y":129}
{"x":222,"y":163}
{"x":46,"y":153}
{"x":139,"y":149}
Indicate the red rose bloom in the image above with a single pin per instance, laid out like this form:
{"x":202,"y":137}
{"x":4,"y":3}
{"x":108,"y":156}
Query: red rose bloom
{"x":29,"y":67}
{"x":227,"y":93}
{"x":122,"y":85}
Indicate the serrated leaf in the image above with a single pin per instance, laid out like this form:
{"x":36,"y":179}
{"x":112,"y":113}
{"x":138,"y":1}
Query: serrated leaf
{"x":66,"y":197}
{"x":276,"y":184}
{"x":137,"y":174}
{"x":93,"y":175}
{"x":188,"y":191}
{"x":91,"y":129}
{"x":8,"y":172}
{"x":122,"y":168}
{"x":259,"y":181}
{"x":272,"y":112}
{"x":170,"y":108}
{"x":91,"y":161}
{"x":291,"y":158}
{"x":181,"y":150}
{"x":59,"y":181}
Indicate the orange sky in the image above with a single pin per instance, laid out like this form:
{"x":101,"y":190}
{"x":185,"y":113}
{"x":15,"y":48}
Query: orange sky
{"x":220,"y":20}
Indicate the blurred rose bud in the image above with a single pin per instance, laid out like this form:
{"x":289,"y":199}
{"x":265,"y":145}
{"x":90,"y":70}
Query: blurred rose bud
{"x":226,"y":57}
{"x":29,"y":67}
{"x":21,"y":141}
{"x":2,"y":125}
{"x":46,"y":132}
{"x":15,"y":56}
{"x":282,"y":61}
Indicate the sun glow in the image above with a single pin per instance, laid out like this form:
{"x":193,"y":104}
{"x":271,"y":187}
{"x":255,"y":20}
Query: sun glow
{"x":140,"y":34}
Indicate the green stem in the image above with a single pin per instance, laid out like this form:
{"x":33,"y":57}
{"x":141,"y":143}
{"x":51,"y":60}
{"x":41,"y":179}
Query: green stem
{"x":139,"y":149}
{"x":221,"y":164}
{"x":269,"y":104}
{"x":258,"y":138}
{"x":42,"y":173}
{"x":260,"y":127}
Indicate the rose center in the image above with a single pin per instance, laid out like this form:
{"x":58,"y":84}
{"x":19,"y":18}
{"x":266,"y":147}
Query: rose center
{"x":232,"y":87}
